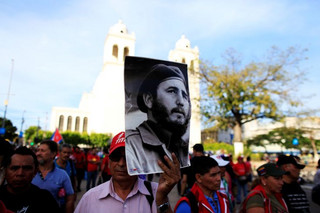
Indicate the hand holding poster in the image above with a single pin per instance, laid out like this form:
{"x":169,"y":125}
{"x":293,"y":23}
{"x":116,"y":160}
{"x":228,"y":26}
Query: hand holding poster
{"x":158,"y":111}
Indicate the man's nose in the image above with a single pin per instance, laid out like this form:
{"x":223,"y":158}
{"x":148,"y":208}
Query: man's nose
{"x":122,"y":160}
{"x":180,"y":99}
{"x":19,"y":171}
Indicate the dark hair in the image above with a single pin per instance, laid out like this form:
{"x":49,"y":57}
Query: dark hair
{"x":203,"y":164}
{"x":51,"y":144}
{"x":64,"y":145}
{"x":318,"y":166}
{"x":198,"y":147}
{"x":6,"y":149}
{"x":156,"y":75}
{"x":22,"y":150}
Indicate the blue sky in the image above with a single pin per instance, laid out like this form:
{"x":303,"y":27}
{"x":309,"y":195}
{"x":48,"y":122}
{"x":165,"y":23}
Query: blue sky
{"x":57,"y":45}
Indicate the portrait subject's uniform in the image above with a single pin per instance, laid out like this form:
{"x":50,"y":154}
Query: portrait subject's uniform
{"x":147,"y":143}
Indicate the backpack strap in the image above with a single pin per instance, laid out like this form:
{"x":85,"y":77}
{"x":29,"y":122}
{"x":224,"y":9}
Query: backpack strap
{"x":193,"y":202}
{"x":150,"y":197}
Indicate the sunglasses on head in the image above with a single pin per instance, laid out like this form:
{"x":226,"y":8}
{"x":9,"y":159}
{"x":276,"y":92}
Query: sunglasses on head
{"x":117,"y":155}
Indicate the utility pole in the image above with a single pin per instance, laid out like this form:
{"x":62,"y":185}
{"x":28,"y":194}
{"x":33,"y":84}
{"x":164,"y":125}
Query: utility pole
{"x":22,"y":122}
{"x":6,"y":102}
{"x":21,"y":131}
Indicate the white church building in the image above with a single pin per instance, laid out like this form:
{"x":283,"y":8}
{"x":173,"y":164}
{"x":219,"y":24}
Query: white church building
{"x":103,"y":109}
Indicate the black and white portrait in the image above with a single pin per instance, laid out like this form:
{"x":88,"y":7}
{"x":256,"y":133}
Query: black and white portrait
{"x":158,"y":112}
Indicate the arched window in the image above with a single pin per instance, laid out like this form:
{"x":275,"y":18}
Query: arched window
{"x":115,"y":51}
{"x":125,"y":52}
{"x":77,"y":124}
{"x":61,"y":118}
{"x":85,"y":124}
{"x":69,"y":123}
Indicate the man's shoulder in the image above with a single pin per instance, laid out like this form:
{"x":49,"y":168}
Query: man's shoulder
{"x":132,"y":133}
{"x":256,"y":200}
{"x":143,"y":127}
{"x":97,"y":192}
{"x":133,"y":137}
{"x":59,"y":171}
{"x":291,"y":188}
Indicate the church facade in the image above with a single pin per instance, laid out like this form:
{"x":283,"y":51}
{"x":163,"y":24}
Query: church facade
{"x":103,"y":109}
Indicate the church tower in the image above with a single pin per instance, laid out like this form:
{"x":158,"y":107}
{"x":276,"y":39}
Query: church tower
{"x":105,"y":102}
{"x":183,"y":53}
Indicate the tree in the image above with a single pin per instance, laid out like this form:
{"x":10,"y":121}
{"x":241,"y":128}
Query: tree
{"x":36,"y":134}
{"x":74,"y":138}
{"x":99,"y":139}
{"x":233,"y":95}
{"x":284,"y":137}
{"x":10,"y":129}
{"x":31,"y":133}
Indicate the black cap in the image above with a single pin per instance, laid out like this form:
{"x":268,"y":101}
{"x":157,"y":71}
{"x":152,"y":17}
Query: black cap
{"x":157,"y":74}
{"x":287,"y":159}
{"x":270,"y":169}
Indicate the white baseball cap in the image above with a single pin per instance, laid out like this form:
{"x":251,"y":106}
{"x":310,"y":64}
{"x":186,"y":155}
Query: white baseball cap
{"x":220,"y":160}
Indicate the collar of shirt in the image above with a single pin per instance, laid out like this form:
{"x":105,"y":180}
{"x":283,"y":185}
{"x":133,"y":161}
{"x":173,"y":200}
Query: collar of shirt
{"x":214,"y":202}
{"x":138,"y":187}
{"x":40,"y":174}
{"x":163,"y":135}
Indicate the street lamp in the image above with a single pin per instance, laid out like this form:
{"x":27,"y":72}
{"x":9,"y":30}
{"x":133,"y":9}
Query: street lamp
{"x":3,"y":130}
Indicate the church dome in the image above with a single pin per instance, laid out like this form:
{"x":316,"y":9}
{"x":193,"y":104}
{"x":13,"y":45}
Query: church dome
{"x":118,"y":28}
{"x":183,"y":43}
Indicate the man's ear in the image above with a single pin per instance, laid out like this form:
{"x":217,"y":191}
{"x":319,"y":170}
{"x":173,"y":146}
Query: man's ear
{"x":198,"y":178}
{"x":54,"y":154}
{"x":263,"y":180}
{"x":148,"y":100}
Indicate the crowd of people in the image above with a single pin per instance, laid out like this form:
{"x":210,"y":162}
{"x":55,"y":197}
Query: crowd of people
{"x":277,"y":187}
{"x":49,"y":179}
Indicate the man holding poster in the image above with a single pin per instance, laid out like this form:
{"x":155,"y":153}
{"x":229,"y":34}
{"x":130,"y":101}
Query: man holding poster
{"x":163,"y":95}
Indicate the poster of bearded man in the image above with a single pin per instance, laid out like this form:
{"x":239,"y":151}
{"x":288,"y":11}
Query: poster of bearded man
{"x":158,"y":112}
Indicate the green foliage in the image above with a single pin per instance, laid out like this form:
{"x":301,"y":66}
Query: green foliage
{"x":35,"y":134}
{"x":256,"y":156}
{"x":74,"y":138}
{"x":10,"y":129}
{"x":236,"y":94}
{"x":282,"y":136}
{"x":215,"y":146}
{"x":31,"y":132}
{"x":100,"y":140}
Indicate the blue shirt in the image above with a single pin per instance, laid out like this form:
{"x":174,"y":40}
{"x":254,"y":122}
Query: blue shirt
{"x":55,"y":181}
{"x":185,"y":208}
{"x":214,"y":202}
{"x":71,"y":170}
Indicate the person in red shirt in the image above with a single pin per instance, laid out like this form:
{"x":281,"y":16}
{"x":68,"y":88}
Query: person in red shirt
{"x":249,"y":171}
{"x":92,"y":168}
{"x":80,"y":165}
{"x":241,"y":179}
{"x":105,"y":171}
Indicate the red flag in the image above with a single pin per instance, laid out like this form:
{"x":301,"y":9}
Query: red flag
{"x":56,"y":136}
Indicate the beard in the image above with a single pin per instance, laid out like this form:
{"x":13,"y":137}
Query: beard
{"x":161,"y":114}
